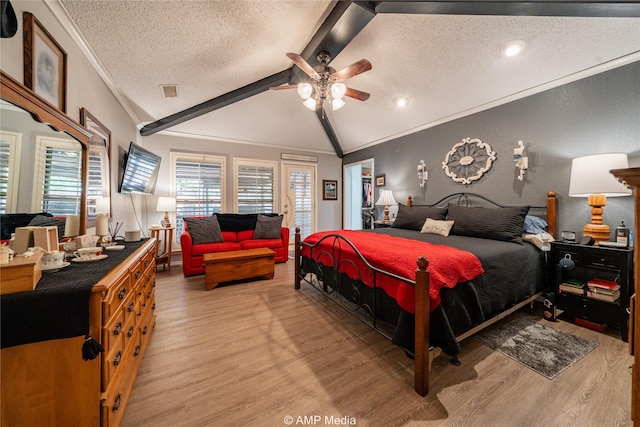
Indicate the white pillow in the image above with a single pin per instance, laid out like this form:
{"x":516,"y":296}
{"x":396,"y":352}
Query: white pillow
{"x":539,"y":240}
{"x":440,"y":227}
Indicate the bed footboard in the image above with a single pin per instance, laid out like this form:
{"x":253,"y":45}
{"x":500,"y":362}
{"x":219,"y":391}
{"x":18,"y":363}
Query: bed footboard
{"x":422,"y":306}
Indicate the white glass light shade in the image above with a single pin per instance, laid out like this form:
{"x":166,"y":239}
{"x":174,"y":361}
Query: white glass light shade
{"x":166,"y":204}
{"x":590,"y":175}
{"x":310,"y":103}
{"x":304,"y":90}
{"x":338,"y":90}
{"x":386,"y":199}
{"x":337,"y":104}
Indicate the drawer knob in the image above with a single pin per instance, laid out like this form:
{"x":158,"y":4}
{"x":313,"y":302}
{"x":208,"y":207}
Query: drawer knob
{"x":130,"y":307}
{"x":130,"y":332}
{"x":117,"y":329}
{"x":116,"y":360}
{"x":122,"y":293}
{"x":116,"y":403}
{"x":136,"y":351}
{"x":144,"y":331}
{"x":137,"y":274}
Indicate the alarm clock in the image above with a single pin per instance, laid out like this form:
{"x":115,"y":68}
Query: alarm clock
{"x":568,"y":236}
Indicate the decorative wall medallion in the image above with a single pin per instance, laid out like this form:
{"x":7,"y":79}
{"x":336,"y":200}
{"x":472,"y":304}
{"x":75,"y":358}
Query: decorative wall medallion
{"x":468,"y":160}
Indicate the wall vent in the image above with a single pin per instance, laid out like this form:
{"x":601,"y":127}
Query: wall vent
{"x":169,"y":91}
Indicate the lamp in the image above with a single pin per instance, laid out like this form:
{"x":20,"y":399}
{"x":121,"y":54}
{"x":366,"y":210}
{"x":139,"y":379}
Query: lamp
{"x":103,"y":205}
{"x":590,"y":178}
{"x":386,"y":199}
{"x":166,"y":205}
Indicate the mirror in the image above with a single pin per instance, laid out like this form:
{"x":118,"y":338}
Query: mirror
{"x":23,"y":115}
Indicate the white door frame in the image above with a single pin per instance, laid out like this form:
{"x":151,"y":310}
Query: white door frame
{"x":351,"y":202}
{"x":285,"y":208}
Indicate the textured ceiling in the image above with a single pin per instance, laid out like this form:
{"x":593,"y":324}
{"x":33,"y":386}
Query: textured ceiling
{"x":447,"y":65}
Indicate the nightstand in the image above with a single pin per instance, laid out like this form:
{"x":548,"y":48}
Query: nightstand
{"x":163,"y":257}
{"x":591,"y":262}
{"x":381,"y":224}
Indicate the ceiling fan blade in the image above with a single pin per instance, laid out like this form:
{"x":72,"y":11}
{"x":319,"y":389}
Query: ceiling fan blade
{"x":352,"y":70}
{"x":283,"y":87}
{"x":357,"y":94}
{"x":304,"y":65}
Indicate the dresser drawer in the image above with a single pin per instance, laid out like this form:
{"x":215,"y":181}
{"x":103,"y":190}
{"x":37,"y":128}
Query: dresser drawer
{"x":112,"y":362}
{"x":129,"y":331}
{"x":112,"y":331}
{"x":604,"y":259}
{"x":117,"y":294}
{"x":569,"y":252}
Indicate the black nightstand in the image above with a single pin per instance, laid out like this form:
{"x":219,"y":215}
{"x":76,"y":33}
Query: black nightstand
{"x":594,"y":262}
{"x":381,"y":224}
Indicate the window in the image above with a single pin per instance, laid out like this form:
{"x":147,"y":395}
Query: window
{"x":255,"y":186}
{"x":98,"y":174}
{"x":9,"y":161}
{"x":198,"y":184}
{"x":58,"y":184}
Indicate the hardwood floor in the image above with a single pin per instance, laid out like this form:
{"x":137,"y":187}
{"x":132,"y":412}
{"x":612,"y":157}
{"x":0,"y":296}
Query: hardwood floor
{"x":253,"y":353}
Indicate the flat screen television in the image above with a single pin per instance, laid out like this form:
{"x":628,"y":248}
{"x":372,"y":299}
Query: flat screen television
{"x":140,"y":171}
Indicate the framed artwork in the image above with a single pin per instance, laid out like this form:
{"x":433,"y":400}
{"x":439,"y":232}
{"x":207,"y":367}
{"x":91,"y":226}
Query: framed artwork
{"x":329,"y":189}
{"x":45,"y":63}
{"x":468,"y":160}
{"x":380,"y":180}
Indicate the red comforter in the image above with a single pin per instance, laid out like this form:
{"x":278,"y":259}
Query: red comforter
{"x":447,"y":266}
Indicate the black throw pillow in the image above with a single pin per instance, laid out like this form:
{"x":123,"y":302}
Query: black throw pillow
{"x":504,"y":224}
{"x":413,"y":217}
{"x":204,"y":230}
{"x":268,"y":227}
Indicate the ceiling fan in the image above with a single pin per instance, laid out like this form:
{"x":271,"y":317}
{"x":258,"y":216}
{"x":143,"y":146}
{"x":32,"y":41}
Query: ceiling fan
{"x":326,"y":83}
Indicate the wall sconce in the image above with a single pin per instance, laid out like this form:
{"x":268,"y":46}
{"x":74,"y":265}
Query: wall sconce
{"x":423,"y":175}
{"x":522,"y":162}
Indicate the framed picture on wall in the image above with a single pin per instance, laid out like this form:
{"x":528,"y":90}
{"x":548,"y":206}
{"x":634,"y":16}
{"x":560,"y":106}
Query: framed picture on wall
{"x":329,"y":189}
{"x":380,"y":181}
{"x":45,"y":63}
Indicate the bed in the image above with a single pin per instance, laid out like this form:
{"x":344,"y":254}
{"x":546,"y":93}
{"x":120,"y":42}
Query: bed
{"x":439,"y":274}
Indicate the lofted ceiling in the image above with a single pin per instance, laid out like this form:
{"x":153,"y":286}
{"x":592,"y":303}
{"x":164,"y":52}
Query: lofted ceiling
{"x":446,"y":62}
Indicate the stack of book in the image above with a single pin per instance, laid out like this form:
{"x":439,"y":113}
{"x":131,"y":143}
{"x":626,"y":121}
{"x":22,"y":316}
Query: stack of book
{"x":605,"y":290}
{"x":572,"y":286}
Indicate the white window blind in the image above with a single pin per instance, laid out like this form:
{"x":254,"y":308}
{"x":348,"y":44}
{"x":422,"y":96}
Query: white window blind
{"x":9,"y":160}
{"x":98,"y":173}
{"x":60,"y":181}
{"x":300,"y":183}
{"x":198,"y":184}
{"x":255,"y":186}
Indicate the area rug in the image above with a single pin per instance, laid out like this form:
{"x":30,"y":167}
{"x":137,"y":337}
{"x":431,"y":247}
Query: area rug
{"x":542,"y":348}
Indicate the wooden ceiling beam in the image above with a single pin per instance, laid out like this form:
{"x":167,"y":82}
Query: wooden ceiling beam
{"x":328,"y":129}
{"x":218,"y":102}
{"x":570,"y":8}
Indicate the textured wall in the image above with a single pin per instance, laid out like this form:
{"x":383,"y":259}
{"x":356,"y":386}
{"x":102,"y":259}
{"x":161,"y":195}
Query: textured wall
{"x":597,"y":114}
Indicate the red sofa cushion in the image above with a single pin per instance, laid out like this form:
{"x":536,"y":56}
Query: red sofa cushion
{"x":207,"y":248}
{"x":261,"y":243}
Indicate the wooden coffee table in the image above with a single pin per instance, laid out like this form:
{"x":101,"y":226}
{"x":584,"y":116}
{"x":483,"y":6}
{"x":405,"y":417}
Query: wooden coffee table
{"x":237,"y":265}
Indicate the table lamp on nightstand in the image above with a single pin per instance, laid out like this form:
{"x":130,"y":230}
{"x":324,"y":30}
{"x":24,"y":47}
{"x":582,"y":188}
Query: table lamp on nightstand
{"x":386,"y":199}
{"x":590,"y":178}
{"x":166,"y":205}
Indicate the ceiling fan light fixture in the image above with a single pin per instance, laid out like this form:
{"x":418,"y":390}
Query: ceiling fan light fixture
{"x":310,"y":103}
{"x":305,"y":90}
{"x":513,"y":47}
{"x":338,"y":90}
{"x":337,"y":104}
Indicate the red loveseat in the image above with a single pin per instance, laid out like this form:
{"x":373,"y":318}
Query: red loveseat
{"x":238,"y":233}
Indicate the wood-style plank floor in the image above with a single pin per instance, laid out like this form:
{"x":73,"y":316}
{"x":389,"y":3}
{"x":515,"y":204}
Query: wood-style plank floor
{"x":254,"y":353}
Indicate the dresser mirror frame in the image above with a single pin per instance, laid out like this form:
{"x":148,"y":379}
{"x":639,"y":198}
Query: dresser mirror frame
{"x":41,"y":111}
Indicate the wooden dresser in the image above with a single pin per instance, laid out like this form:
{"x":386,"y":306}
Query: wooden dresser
{"x":47,"y":383}
{"x":631,"y":177}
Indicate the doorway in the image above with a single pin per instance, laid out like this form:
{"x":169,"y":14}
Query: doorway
{"x":359,"y":209}
{"x":299,"y":206}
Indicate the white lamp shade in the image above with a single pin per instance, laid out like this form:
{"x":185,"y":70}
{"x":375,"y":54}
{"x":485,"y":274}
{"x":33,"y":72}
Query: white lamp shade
{"x":590,"y":175}
{"x":304,"y":90}
{"x":338,"y":90}
{"x":386,"y":198}
{"x":310,"y":103}
{"x":103,"y":205}
{"x":166,"y":204}
{"x":337,"y":104}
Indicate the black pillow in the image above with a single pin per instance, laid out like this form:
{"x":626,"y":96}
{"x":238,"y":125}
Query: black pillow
{"x":268,"y":227}
{"x":413,"y":217}
{"x":45,"y":221}
{"x":504,"y":224}
{"x":204,"y":230}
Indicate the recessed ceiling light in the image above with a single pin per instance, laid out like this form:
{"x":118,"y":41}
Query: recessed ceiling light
{"x":401,"y":101}
{"x":513,"y":47}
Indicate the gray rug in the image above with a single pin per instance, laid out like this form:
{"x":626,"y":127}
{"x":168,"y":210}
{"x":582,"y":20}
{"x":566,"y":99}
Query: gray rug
{"x":542,"y":348}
